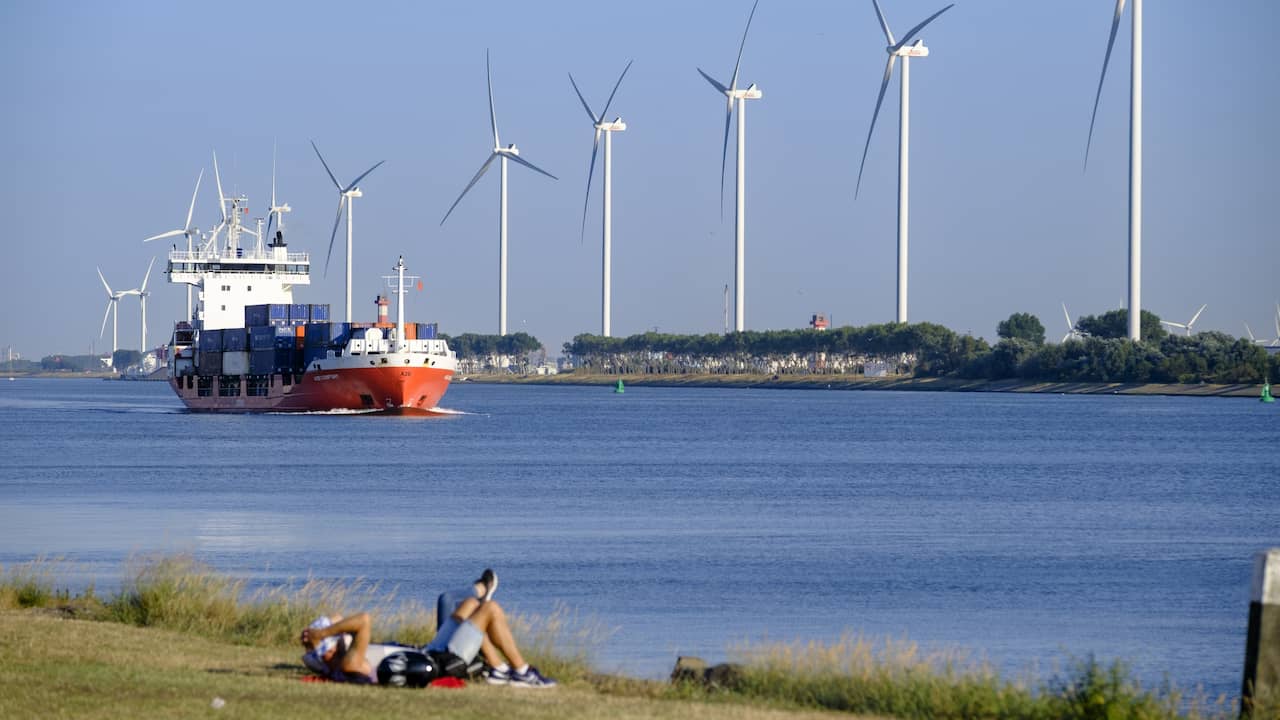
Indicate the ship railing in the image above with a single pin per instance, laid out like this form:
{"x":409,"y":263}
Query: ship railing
{"x":189,"y":256}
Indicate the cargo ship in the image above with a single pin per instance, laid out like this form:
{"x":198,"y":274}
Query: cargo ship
{"x":248,"y":347}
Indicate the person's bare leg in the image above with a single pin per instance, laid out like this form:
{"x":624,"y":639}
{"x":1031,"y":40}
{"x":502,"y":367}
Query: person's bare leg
{"x":491,"y":620}
{"x":490,"y":653}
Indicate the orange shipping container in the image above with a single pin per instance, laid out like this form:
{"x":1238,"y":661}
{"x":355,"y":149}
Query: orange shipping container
{"x":410,"y":331}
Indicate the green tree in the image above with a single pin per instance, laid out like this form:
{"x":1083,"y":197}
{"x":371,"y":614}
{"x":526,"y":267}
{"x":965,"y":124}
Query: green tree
{"x":1022,"y":326}
{"x":1114,"y":324}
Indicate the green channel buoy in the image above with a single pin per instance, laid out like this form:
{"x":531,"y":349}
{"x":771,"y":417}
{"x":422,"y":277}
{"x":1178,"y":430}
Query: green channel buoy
{"x":1266,"y":393}
{"x":619,"y":388}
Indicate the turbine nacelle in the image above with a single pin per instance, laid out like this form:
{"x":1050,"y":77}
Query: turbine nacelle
{"x":751,"y":92}
{"x":916,"y":49}
{"x":616,"y":126}
{"x":508,"y":150}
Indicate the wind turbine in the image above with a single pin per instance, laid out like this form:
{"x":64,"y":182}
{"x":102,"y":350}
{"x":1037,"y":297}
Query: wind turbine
{"x":1135,"y":156}
{"x":1273,"y":342}
{"x":732,"y":94}
{"x":899,"y":49}
{"x":1072,"y":332}
{"x":142,"y":300}
{"x":113,"y":304}
{"x":1187,"y":325}
{"x":608,"y":129}
{"x":275,"y":213}
{"x":510,"y":152}
{"x":346,"y":198}
{"x":186,"y":231}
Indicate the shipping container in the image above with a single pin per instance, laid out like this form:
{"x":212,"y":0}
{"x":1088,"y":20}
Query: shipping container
{"x":235,"y":363}
{"x":410,"y":331}
{"x":210,"y":340}
{"x":262,"y":338}
{"x":426,"y":331}
{"x":299,"y":314}
{"x":317,"y":335}
{"x":312,"y":354}
{"x":262,"y":362}
{"x":286,"y":361}
{"x":255,"y":316}
{"x":235,"y":340}
{"x":319,"y":313}
{"x":209,"y":363}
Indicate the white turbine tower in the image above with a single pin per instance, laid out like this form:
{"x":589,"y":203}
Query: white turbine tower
{"x":733,"y":94}
{"x":142,"y":300}
{"x":899,"y":49}
{"x":346,"y":199}
{"x":1135,"y":156}
{"x":113,"y":309}
{"x":1188,"y":324}
{"x":608,"y":129}
{"x":186,"y":231}
{"x":1072,"y":332}
{"x":510,"y":152}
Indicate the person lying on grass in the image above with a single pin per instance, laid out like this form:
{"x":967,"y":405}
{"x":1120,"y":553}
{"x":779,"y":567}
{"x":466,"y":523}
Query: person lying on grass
{"x":477,"y":625}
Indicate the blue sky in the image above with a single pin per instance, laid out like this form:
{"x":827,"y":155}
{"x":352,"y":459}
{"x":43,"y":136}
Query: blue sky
{"x":113,"y":108}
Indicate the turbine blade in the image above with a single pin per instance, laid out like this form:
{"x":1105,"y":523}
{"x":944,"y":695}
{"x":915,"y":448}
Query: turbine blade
{"x":342,"y":201}
{"x":271,"y":219}
{"x":585,"y":106}
{"x":714,"y":83}
{"x":1067,"y":315}
{"x":147,"y":277}
{"x":531,"y":166}
{"x":162,"y":236}
{"x":271,"y":214}
{"x":724,"y":153}
{"x":1250,"y":332}
{"x":734,"y":84}
{"x":1106,"y":59}
{"x":493,"y":114}
{"x":336,"y":184}
{"x":590,"y":172}
{"x":912,"y":32}
{"x":888,"y":74}
{"x":1195,"y":317}
{"x":884,"y":24}
{"x":192,"y":208}
{"x":605,"y":113}
{"x":222,"y":200}
{"x":105,"y":315}
{"x":362,"y":176}
{"x":104,"y":281}
{"x":479,"y":173}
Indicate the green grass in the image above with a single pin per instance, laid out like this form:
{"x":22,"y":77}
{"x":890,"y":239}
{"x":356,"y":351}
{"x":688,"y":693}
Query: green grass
{"x":181,"y":596}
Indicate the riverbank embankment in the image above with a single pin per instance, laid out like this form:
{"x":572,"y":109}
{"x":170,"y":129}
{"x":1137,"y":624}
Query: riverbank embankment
{"x":860,"y":382}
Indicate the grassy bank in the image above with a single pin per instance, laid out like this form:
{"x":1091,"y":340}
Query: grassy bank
{"x":860,"y":382}
{"x":178,"y":635}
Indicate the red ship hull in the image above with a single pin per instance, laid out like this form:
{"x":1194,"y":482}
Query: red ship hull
{"x":404,"y":390}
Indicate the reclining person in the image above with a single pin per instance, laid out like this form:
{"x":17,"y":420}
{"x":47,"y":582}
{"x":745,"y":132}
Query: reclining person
{"x":476,"y":625}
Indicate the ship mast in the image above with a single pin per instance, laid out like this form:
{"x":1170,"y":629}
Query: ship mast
{"x":402,"y":345}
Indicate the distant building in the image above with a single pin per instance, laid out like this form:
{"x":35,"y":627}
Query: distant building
{"x":819,"y":322}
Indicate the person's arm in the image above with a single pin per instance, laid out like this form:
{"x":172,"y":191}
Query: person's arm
{"x":360,"y":626}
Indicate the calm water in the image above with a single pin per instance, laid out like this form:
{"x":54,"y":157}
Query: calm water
{"x":1023,"y":528}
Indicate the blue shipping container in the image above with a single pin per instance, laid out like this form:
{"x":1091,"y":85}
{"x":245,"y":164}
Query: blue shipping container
{"x":299,"y":314}
{"x":339,"y":333}
{"x":255,"y":315}
{"x":426,"y":331}
{"x":317,"y":335}
{"x":262,"y":338}
{"x":235,"y":339}
{"x":319,"y":313}
{"x":211,"y":340}
{"x":311,"y":354}
{"x":262,"y":362}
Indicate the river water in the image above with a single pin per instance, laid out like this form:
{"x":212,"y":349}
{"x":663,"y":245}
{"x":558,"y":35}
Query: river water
{"x":1024,"y":529}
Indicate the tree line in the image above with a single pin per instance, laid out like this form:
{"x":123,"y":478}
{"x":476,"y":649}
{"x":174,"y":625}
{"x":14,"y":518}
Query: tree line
{"x":1099,"y":351}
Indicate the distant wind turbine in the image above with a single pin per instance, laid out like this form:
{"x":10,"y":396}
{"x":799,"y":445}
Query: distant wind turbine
{"x":740,"y":96}
{"x":142,"y":300}
{"x":899,"y":49}
{"x":275,"y":213}
{"x":113,"y":309}
{"x":1072,"y":332}
{"x":186,"y":231}
{"x":1135,"y":156}
{"x":1188,"y":324}
{"x":606,"y":128}
{"x":346,"y":198}
{"x":503,"y":154}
